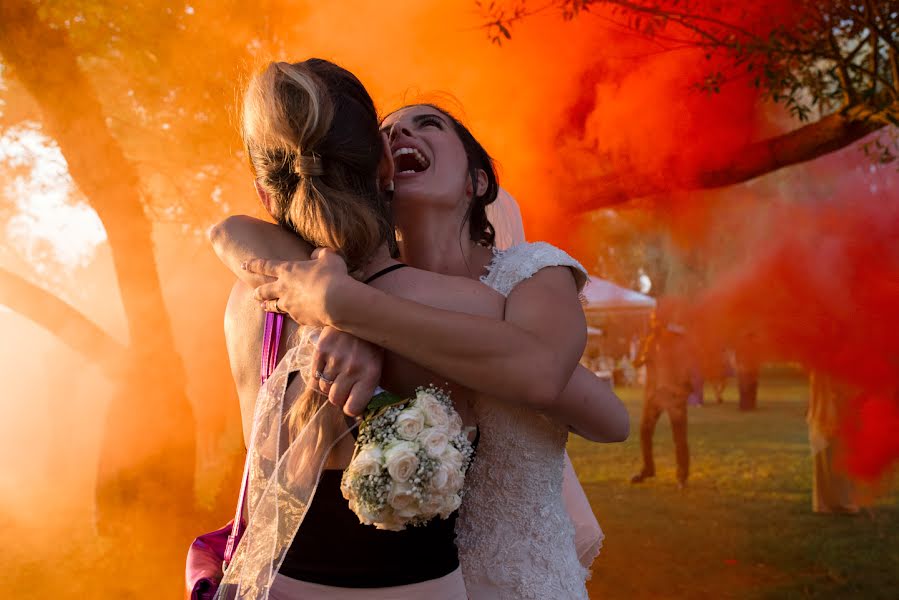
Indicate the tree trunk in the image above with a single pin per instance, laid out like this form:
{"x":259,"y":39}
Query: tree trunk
{"x":826,"y":135}
{"x":145,"y":487}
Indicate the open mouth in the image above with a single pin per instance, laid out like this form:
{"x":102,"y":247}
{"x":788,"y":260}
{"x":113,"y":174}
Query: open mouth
{"x":408,"y":161}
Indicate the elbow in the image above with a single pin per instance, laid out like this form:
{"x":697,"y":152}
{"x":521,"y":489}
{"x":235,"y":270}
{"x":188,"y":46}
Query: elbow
{"x":543,"y":392}
{"x":622,"y":429}
{"x":619,"y":424}
{"x":217,"y":234}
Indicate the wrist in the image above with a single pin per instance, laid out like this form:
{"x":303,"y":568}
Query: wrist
{"x":343,"y":301}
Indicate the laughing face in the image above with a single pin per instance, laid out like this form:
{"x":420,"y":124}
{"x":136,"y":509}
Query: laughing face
{"x":430,"y":162}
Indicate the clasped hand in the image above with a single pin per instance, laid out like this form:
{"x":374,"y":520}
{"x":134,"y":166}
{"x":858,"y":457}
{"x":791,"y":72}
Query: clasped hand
{"x":345,"y":368}
{"x":304,"y":289}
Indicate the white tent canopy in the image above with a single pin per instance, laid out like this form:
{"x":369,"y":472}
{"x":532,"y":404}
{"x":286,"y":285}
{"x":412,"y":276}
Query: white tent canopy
{"x":605,"y":296}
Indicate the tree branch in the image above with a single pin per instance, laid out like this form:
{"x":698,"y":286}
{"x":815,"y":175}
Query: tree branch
{"x":849,"y":95}
{"x":811,"y":141}
{"x":62,"y":320}
{"x":43,"y":60}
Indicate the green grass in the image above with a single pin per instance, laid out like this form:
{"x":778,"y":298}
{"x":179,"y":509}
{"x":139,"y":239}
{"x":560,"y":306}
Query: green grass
{"x":744,"y":527}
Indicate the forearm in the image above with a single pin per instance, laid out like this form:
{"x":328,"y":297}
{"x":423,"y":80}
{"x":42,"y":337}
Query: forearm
{"x":490,"y":356}
{"x":589,"y":406}
{"x":240,"y":238}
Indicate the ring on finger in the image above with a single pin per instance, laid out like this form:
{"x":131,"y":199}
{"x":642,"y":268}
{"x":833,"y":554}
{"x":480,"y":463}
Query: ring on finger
{"x":323,"y":377}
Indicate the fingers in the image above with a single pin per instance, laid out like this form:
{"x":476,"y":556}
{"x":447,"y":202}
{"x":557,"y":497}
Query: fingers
{"x":263,"y":266}
{"x":271,"y":306}
{"x":340,"y":390}
{"x":268,"y":291}
{"x":359,"y":398}
{"x":329,"y":369}
{"x":319,"y":360}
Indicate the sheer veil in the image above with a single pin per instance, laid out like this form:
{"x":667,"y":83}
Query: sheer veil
{"x":283,"y":475}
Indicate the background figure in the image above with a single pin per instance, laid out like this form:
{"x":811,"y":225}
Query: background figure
{"x":747,"y":370}
{"x":832,"y":489}
{"x":720,"y":371}
{"x":668,"y":385}
{"x":697,"y":382}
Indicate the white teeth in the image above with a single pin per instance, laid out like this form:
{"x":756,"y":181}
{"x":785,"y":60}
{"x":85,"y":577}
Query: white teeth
{"x":407,"y":172}
{"x":414,"y":151}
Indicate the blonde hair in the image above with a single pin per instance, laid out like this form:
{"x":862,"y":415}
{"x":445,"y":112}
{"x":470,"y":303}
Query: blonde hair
{"x":311,"y":133}
{"x":312,"y":138}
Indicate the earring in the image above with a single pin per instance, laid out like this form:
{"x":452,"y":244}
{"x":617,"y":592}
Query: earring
{"x":390,"y":187}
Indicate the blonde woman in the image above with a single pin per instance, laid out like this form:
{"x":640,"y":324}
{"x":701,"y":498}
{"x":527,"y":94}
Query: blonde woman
{"x":496,"y":350}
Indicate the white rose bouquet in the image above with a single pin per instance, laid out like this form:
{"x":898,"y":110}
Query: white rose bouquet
{"x":410,"y":461}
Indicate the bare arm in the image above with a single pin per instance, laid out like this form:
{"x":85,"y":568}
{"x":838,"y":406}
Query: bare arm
{"x":526,"y":358}
{"x":586,"y":403}
{"x":240,"y":238}
{"x":590,"y":408}
{"x":520,"y":359}
{"x":356,"y":363}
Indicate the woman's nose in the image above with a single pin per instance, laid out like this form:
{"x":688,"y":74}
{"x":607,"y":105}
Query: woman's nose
{"x":398,"y":129}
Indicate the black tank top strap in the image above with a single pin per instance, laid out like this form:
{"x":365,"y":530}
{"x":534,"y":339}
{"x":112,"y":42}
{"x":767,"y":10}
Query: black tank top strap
{"x":385,"y":271}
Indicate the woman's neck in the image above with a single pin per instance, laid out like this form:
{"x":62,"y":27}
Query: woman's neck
{"x":434,"y":241}
{"x":381,"y":259}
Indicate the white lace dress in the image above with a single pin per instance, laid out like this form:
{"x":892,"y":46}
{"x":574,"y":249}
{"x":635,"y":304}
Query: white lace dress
{"x":515,"y":538}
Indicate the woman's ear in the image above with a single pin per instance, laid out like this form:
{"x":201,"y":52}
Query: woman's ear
{"x":483,"y":182}
{"x":386,"y":168}
{"x":264,"y":197}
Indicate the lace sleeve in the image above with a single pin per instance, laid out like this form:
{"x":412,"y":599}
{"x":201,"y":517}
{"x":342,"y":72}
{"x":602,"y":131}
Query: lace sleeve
{"x":511,"y":267}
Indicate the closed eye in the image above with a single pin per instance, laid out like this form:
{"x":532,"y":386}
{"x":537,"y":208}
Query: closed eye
{"x":430,"y":121}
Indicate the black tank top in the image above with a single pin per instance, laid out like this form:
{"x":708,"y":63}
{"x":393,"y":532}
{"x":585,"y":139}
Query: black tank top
{"x":333,"y":548}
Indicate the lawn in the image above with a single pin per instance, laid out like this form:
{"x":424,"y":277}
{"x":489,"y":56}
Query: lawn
{"x":743,"y":528}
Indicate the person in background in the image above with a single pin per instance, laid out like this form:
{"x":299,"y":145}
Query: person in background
{"x":668,"y":385}
{"x":833,"y":491}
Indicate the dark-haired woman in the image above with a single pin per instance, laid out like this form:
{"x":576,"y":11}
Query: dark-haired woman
{"x":517,"y":355}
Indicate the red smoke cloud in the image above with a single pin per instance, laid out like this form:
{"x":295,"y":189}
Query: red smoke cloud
{"x":823,"y":290}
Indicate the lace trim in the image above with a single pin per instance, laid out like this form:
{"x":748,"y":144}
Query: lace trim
{"x":510,"y":267}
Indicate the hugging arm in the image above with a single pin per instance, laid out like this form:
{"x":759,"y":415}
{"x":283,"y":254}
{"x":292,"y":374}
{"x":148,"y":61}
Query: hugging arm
{"x":513,"y":359}
{"x":240,"y":238}
{"x":530,"y":357}
{"x":355,"y":364}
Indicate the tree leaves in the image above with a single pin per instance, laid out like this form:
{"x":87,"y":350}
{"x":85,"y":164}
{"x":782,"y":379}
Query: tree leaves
{"x":829,"y":55}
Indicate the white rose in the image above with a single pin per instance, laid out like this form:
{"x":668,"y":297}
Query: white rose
{"x":368,"y":461}
{"x":401,"y":460}
{"x":409,"y":423}
{"x":455,"y":424}
{"x":434,"y":441}
{"x":450,"y":505}
{"x":426,"y":397}
{"x":401,"y":495}
{"x":431,"y":507}
{"x":440,"y":480}
{"x":410,"y":512}
{"x":435,"y":412}
{"x":365,"y":517}
{"x":390,"y":522}
{"x":452,"y":458}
